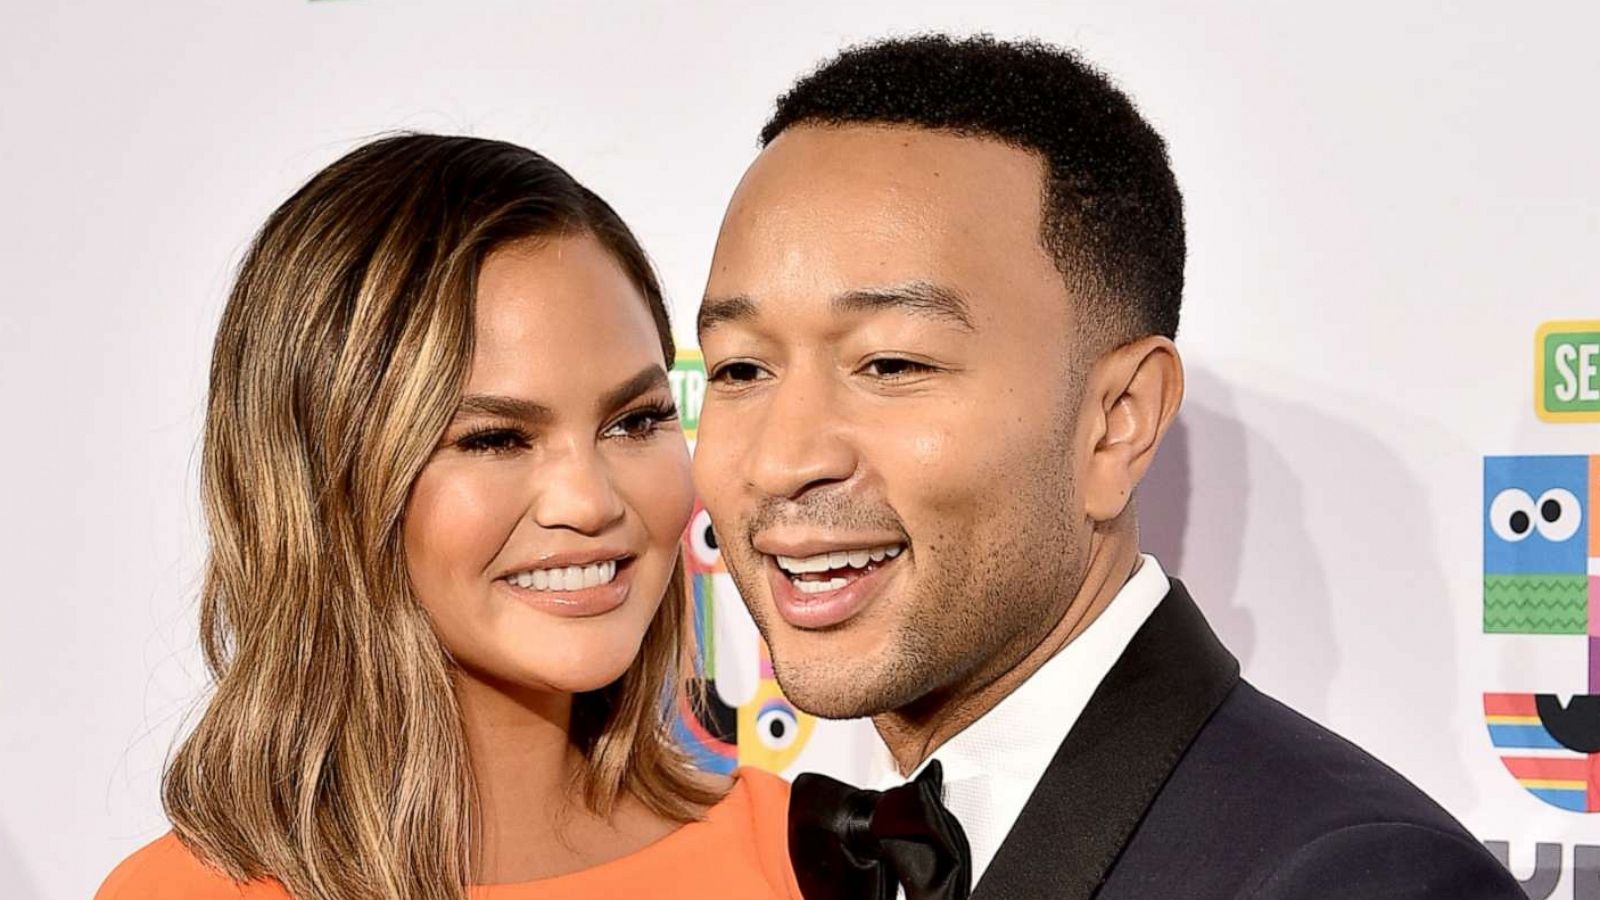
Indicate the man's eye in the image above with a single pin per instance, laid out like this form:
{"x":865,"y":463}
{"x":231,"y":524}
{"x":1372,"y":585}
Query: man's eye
{"x":737,"y":372}
{"x":895,"y":367}
{"x":493,"y":440}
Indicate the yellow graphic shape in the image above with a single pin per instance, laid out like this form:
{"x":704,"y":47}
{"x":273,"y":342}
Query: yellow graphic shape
{"x":771,"y":731}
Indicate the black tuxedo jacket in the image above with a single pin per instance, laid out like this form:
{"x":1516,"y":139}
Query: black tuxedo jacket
{"x":1182,"y":781}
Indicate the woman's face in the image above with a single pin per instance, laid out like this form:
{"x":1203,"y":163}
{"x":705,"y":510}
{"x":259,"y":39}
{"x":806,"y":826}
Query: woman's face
{"x":541,"y":535}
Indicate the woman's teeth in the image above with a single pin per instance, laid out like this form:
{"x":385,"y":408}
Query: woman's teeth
{"x":568,"y":578}
{"x":799,"y":568}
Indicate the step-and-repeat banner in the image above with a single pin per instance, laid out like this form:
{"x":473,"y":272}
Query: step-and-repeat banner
{"x":1541,"y":607}
{"x":1382,"y":489}
{"x":1540,"y":623}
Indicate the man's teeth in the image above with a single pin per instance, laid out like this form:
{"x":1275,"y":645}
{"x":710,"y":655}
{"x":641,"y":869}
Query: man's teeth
{"x":838,"y":559}
{"x":568,"y":578}
{"x":817,"y":587}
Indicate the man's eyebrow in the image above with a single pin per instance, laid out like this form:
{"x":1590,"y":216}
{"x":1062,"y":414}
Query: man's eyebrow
{"x":916,"y":297}
{"x":501,"y":406}
{"x":922,"y":298}
{"x":716,"y":311}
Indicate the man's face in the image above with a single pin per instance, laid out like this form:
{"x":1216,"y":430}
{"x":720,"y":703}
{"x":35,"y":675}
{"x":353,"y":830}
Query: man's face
{"x":886,"y":443}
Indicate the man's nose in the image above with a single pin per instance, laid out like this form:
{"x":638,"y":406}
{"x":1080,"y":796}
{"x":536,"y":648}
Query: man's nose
{"x":799,"y":441}
{"x":575,"y":491}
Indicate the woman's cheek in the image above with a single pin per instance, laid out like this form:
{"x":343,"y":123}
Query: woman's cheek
{"x":660,"y":487}
{"x":459,"y":515}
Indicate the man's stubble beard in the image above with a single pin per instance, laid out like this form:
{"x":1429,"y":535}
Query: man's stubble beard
{"x":970,"y":617}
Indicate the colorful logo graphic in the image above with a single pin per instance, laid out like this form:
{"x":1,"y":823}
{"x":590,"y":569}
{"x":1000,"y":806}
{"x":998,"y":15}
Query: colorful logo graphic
{"x":737,"y":715}
{"x":1567,"y":371}
{"x":688,"y":378}
{"x":1541,"y":576}
{"x":732,"y":719}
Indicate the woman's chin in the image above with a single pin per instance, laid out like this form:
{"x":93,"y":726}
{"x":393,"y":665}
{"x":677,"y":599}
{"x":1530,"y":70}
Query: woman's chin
{"x":599,"y":669}
{"x":539,"y":661}
{"x":528,"y":683}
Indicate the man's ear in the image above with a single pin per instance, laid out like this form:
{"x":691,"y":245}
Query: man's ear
{"x":1131,"y":396}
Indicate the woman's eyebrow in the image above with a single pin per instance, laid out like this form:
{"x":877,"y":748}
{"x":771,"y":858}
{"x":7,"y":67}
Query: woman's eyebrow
{"x":647,"y":379}
{"x":501,"y":406}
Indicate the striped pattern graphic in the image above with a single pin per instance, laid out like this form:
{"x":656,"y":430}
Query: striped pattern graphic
{"x":1545,"y":768}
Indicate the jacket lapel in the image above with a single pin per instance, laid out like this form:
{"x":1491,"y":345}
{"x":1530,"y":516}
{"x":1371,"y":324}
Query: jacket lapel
{"x":1137,"y":725}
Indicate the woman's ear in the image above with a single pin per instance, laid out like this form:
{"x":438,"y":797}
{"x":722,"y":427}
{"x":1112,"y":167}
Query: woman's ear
{"x":1131,"y":397}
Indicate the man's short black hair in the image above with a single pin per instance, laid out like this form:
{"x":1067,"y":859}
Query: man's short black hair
{"x":1112,"y":215}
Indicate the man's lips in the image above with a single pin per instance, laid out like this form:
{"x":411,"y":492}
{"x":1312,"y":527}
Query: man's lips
{"x":801,"y":544}
{"x":824,"y":589}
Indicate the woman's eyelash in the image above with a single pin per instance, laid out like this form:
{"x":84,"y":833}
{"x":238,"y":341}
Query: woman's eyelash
{"x":639,"y":424}
{"x":649,"y":418}
{"x":493,"y":439}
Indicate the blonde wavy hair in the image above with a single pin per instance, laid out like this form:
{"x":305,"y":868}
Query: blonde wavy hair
{"x":331,"y":756}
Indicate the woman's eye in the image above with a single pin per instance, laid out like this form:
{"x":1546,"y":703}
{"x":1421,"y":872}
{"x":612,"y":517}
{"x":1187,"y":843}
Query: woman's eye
{"x":493,"y":440}
{"x":895,"y":367}
{"x":736,"y":372}
{"x":642,"y":424}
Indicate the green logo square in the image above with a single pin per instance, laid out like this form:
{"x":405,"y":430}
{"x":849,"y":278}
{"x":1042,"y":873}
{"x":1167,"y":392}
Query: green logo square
{"x":688,"y":377}
{"x":1568,"y":362}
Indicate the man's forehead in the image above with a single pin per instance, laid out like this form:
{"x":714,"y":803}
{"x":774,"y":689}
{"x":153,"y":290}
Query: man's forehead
{"x":862,"y":177}
{"x":870,"y":148}
{"x":827,"y":212}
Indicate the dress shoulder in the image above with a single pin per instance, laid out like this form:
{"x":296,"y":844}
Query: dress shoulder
{"x":763,"y":792}
{"x":166,"y":870}
{"x":738,"y":850}
{"x":741,"y":848}
{"x":765,"y":801}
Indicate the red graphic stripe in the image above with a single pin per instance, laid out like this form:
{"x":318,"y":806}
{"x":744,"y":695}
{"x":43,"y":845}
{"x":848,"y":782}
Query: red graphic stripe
{"x":1546,"y":767}
{"x":1509,"y":705}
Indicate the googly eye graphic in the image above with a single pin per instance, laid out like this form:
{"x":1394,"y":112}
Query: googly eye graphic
{"x":1512,"y":514}
{"x":703,"y":541}
{"x":1558,"y":515}
{"x":777,"y":727}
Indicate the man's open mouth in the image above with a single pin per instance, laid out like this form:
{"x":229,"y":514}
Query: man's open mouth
{"x":835,"y":569}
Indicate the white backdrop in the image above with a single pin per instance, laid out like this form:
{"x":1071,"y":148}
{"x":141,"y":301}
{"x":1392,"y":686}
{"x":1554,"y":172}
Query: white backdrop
{"x":1385,"y":201}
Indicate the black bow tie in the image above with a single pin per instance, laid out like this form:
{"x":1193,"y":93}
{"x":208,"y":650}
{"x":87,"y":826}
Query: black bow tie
{"x":852,"y":844}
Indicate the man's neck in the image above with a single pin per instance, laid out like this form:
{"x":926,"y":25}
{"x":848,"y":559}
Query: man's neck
{"x":912,"y":735}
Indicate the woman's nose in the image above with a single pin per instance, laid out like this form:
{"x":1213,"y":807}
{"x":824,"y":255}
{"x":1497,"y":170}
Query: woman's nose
{"x":575,"y":492}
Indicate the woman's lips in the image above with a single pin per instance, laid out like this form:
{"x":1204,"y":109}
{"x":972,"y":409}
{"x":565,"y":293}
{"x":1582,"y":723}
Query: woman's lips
{"x":581,"y":602}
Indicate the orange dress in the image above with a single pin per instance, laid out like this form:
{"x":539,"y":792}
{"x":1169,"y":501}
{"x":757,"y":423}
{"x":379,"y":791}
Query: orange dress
{"x":738,"y":851}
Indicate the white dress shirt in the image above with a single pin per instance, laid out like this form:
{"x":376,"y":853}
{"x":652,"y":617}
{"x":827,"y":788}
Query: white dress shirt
{"x":992,"y":766}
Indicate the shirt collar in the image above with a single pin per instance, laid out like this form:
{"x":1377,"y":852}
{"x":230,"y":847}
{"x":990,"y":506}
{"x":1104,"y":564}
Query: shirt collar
{"x":993,"y":765}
